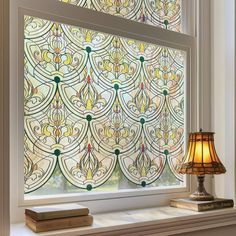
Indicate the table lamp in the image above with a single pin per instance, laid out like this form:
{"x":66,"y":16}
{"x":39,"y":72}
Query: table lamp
{"x":201,"y":158}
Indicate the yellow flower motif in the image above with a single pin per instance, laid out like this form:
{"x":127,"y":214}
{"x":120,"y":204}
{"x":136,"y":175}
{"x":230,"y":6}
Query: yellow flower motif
{"x":88,"y":36}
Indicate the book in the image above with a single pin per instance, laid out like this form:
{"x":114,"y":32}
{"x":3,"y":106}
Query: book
{"x":56,"y":211}
{"x":186,"y":203}
{"x":56,"y":224}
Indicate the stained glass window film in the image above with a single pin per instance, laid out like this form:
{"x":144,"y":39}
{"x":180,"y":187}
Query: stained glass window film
{"x":95,"y":103}
{"x":162,"y":13}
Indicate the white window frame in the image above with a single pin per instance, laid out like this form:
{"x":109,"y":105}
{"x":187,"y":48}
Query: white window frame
{"x":68,"y":14}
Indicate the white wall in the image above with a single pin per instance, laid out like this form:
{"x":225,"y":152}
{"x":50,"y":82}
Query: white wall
{"x":223,"y":91}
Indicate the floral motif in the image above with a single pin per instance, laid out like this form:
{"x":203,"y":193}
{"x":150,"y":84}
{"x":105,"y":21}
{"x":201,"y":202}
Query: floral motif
{"x":142,"y":164}
{"x":115,"y":132}
{"x":88,"y":96}
{"x":88,"y":165}
{"x":116,"y":65}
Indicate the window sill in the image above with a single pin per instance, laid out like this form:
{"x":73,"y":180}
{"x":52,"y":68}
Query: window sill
{"x":163,"y":220}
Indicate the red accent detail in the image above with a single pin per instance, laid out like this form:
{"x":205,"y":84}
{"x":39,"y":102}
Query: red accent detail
{"x":142,"y":86}
{"x":118,"y":3}
{"x":143,"y":18}
{"x":89,"y":79}
{"x":89,"y":147}
{"x":142,"y":147}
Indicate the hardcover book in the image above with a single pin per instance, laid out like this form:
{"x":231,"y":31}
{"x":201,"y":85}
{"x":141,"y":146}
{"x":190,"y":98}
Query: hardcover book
{"x":56,"y":211}
{"x":56,"y":224}
{"x":217,"y":203}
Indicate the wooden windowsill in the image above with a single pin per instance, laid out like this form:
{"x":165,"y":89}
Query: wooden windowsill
{"x":163,"y":220}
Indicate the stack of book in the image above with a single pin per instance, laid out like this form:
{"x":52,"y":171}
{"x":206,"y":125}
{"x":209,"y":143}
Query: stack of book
{"x":55,"y":217}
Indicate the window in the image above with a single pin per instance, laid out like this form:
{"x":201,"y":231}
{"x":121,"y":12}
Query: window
{"x":103,"y":106}
{"x":163,"y":13}
{"x":100,"y":107}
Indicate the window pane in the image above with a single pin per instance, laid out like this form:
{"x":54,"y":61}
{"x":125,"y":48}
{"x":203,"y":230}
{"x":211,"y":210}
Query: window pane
{"x":162,"y":13}
{"x":100,"y":110}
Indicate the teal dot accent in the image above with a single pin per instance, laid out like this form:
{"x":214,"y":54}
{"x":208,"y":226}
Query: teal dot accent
{"x":142,"y":121}
{"x":141,"y":59}
{"x":116,"y":87}
{"x":89,"y":187}
{"x":165,"y":92}
{"x":57,"y":152}
{"x":117,"y":152}
{"x":166,"y":23}
{"x":57,"y":79}
{"x":143,"y":184}
{"x":88,"y":49}
{"x":166,"y":152}
{"x":89,"y":118}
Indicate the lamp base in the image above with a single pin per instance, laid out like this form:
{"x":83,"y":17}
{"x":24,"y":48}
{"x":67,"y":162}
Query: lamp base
{"x":201,"y":194}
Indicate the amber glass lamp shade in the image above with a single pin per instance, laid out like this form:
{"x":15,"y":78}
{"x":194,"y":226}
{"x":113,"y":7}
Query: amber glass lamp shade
{"x":201,"y":158}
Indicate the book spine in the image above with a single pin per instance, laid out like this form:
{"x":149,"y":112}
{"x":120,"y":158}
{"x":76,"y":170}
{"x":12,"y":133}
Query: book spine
{"x":31,"y":214}
{"x":215,"y":205}
{"x":48,"y":225}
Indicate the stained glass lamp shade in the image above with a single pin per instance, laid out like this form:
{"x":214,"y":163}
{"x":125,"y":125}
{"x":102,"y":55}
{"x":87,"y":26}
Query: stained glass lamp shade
{"x":201,"y":158}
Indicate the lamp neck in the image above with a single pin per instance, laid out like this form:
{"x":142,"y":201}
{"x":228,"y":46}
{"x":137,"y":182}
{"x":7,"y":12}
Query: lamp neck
{"x":201,"y":194}
{"x":200,"y":180}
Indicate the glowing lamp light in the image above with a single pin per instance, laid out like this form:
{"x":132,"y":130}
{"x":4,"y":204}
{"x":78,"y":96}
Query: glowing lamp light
{"x":201,"y":158}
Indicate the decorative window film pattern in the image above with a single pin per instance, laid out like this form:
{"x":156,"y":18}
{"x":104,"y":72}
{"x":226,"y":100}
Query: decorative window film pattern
{"x":93,"y":101}
{"x":162,"y":13}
